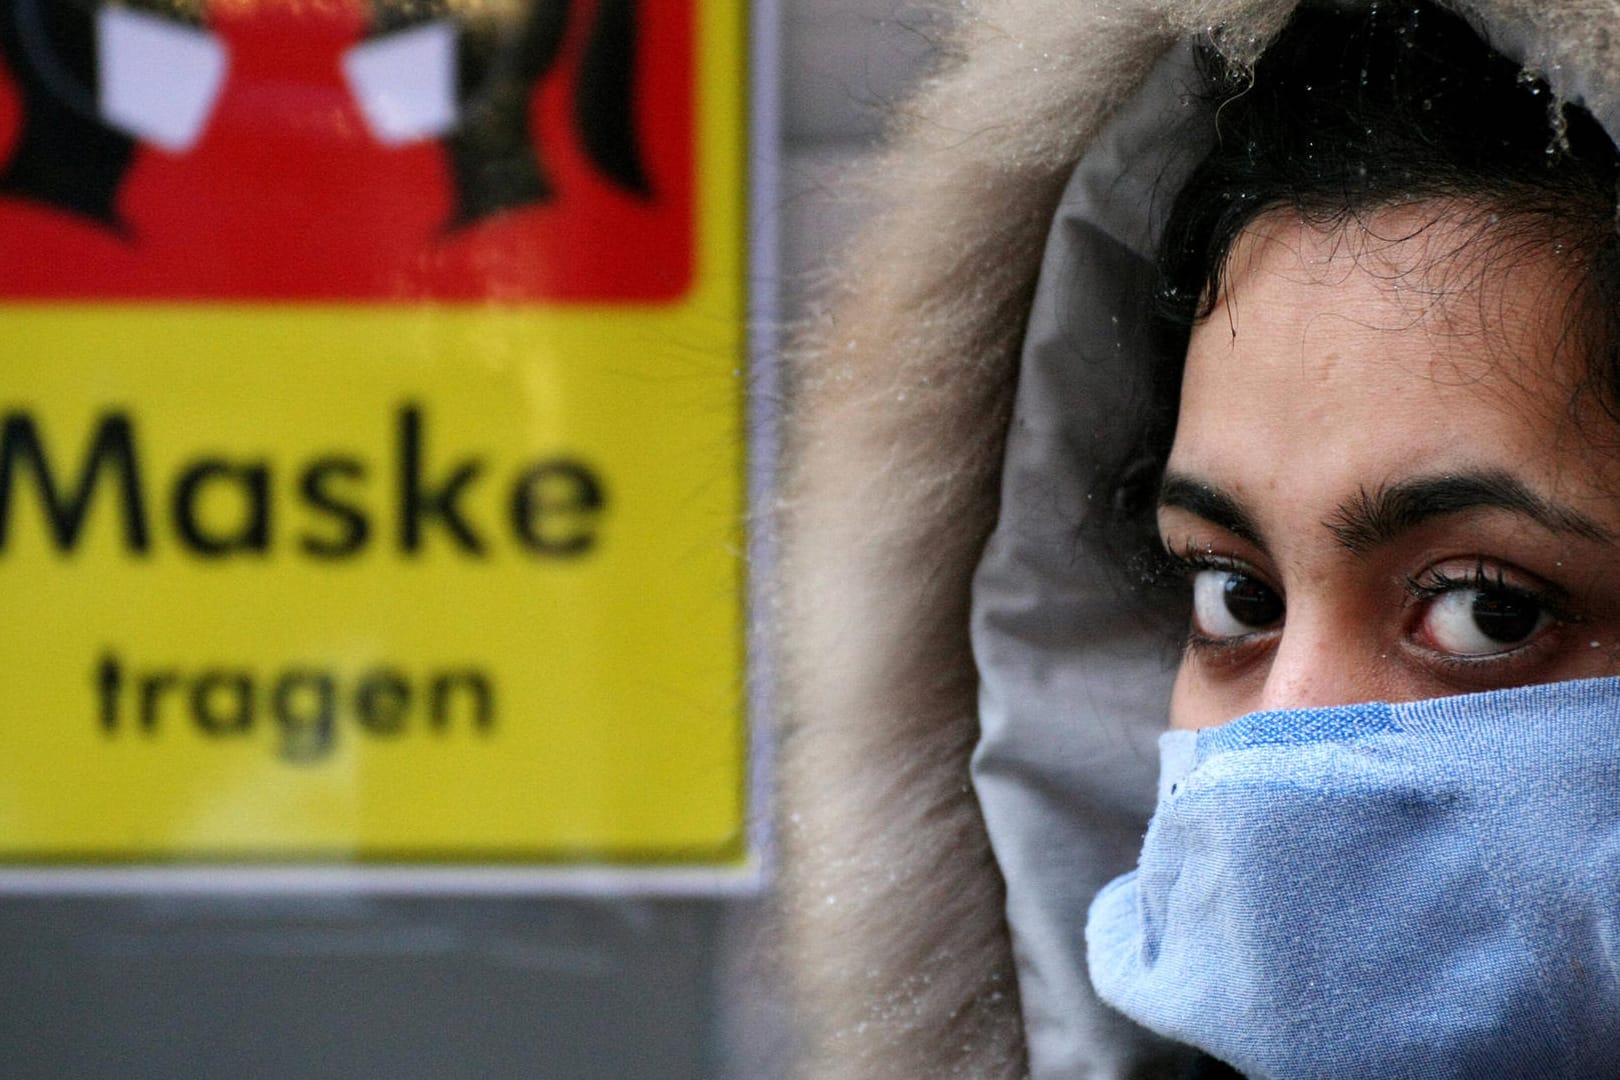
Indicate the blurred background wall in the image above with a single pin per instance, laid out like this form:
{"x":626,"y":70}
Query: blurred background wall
{"x":845,"y":63}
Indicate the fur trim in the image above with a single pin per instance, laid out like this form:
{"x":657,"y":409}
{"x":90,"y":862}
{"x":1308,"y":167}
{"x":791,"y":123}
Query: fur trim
{"x":898,"y":401}
{"x":898,"y":398}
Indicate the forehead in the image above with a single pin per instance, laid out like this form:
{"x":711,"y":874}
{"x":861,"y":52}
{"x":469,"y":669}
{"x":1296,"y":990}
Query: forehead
{"x":1416,"y":332}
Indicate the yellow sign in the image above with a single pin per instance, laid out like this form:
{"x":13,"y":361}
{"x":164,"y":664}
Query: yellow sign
{"x":355,"y":507}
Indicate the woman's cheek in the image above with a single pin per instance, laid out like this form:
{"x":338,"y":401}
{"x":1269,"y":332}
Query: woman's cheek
{"x":1204,"y":698}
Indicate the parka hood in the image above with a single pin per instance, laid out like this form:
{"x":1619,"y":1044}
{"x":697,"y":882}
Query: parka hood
{"x":939,"y":599}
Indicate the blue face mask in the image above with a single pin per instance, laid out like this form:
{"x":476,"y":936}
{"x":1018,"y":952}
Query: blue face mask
{"x":1422,"y":890}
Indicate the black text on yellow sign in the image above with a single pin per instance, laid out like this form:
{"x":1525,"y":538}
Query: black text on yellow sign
{"x":553,"y":507}
{"x":436,"y":610}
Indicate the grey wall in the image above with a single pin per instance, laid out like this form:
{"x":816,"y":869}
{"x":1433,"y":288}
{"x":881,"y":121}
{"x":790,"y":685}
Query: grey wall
{"x":845,"y":63}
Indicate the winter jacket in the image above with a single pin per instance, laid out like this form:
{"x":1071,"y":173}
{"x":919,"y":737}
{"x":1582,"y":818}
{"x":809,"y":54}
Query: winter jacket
{"x":935,"y":599}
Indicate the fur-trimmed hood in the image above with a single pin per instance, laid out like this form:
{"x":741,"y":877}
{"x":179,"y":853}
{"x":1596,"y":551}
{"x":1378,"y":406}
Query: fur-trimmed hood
{"x":899,"y":403}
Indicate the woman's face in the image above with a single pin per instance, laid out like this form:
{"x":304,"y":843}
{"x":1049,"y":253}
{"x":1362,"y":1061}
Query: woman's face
{"x":1385,"y":483}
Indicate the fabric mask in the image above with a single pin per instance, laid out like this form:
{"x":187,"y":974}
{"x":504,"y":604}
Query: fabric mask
{"x":1427,"y":890}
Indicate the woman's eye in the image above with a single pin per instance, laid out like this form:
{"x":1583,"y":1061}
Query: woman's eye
{"x":1230,"y":604}
{"x":1482,"y":621}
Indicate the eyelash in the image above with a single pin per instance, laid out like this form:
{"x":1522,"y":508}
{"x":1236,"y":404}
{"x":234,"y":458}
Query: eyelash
{"x":1168,"y":567}
{"x":1176,"y":568}
{"x":1435,"y":582}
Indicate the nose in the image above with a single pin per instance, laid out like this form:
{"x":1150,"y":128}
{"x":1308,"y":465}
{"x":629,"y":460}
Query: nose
{"x":1319,"y":662}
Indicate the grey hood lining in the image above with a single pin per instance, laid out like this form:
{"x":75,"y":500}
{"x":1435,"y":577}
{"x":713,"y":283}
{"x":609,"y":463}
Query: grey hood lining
{"x":1074,"y":682}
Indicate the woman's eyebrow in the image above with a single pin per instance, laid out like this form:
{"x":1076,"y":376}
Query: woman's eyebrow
{"x":1374,"y":518}
{"x":1210,"y":503}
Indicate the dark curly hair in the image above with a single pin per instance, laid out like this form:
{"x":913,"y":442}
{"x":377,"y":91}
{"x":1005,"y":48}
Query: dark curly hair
{"x":1355,"y":109}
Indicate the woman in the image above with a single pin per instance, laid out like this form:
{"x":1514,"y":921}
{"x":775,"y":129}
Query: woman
{"x":1388,"y":481}
{"x":1392,"y":480}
